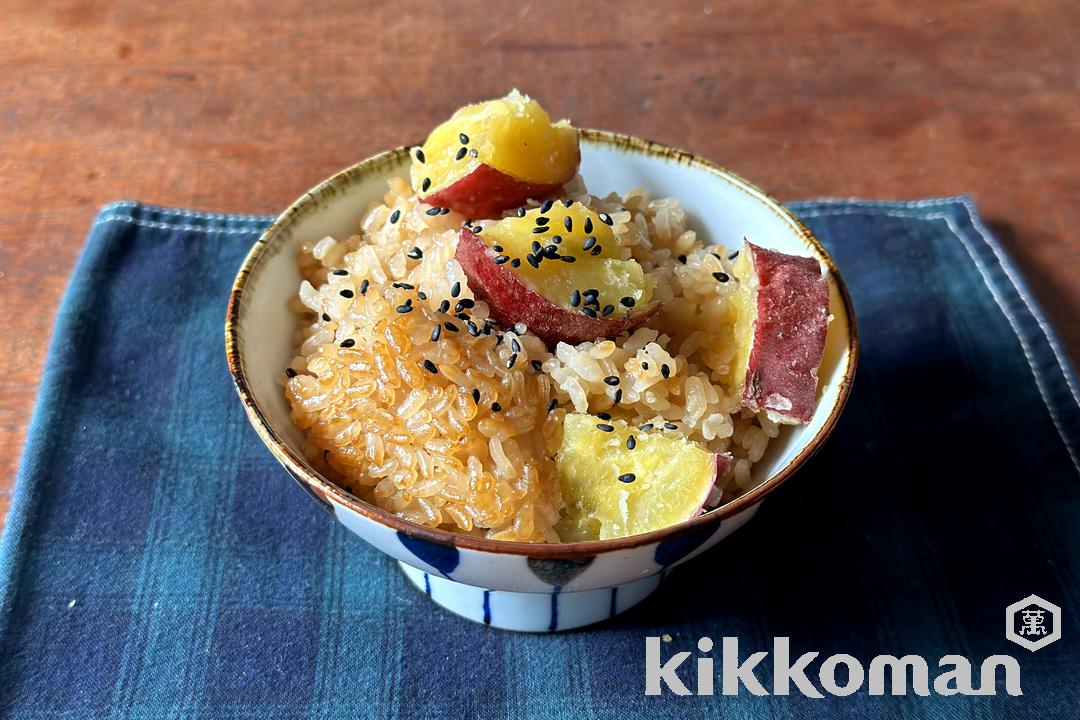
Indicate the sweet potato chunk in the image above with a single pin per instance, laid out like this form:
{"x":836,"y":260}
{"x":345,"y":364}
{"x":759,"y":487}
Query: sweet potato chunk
{"x":511,"y":300}
{"x":615,"y":486}
{"x":783,"y":318}
{"x":495,"y":155}
{"x":559,"y":269}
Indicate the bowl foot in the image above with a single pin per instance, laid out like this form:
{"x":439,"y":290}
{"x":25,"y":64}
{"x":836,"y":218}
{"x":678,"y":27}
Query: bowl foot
{"x":531,"y":612}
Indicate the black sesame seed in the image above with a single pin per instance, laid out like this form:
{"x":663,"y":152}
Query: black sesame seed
{"x":348,"y":343}
{"x":463,"y":138}
{"x":631,"y":442}
{"x":536,"y":365}
{"x":421,"y":294}
{"x":430,"y":367}
{"x":395,"y":216}
{"x":451,"y":326}
{"x":516,"y":262}
{"x":521,"y":212}
{"x":608,"y":309}
{"x":444,"y":306}
{"x":425,"y":185}
{"x":289,"y":372}
{"x":671,"y":426}
{"x":627,"y":301}
{"x":575,"y":298}
{"x":500,"y":259}
{"x":596,"y":250}
{"x":605,"y":427}
{"x":603,"y":415}
{"x":533,"y":260}
{"x":433,"y":211}
{"x":612,"y":380}
{"x":420,"y":155}
{"x":587,"y":227}
{"x":606,"y":219}
{"x":455,"y":289}
{"x":461,"y":153}
{"x":591,"y":292}
{"x":645,"y":427}
{"x":464,"y":304}
{"x":471,"y":327}
{"x":552,"y":251}
{"x":538,"y":230}
{"x":721,"y":276}
{"x":497,"y":248}
{"x":618,"y":396}
{"x":325,"y":317}
{"x":462,"y":316}
{"x":682,"y":259}
{"x":567,"y":202}
{"x":403,"y":286}
{"x":364,"y":284}
{"x":588,"y":311}
{"x":444,"y":211}
{"x":644,"y":365}
{"x":345,"y":293}
{"x":536,"y":246}
{"x":546,"y":205}
{"x":511,"y":361}
{"x":733,"y":255}
{"x":568,"y":223}
{"x":627,"y":478}
{"x":568,"y":258}
{"x":557,"y":239}
{"x":406,"y":308}
{"x":552,"y":405}
{"x":588,"y":244}
{"x":340,"y":273}
{"x":477,"y":229}
{"x":436,"y":333}
{"x":665,"y":370}
{"x":542,"y":220}
{"x":495,"y":407}
{"x":476,"y":395}
{"x":515,"y":345}
{"x":416,"y":253}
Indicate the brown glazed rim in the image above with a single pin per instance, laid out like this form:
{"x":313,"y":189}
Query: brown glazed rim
{"x":298,"y":466}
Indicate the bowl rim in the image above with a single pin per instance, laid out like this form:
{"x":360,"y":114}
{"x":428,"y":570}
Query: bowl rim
{"x":299,"y":468}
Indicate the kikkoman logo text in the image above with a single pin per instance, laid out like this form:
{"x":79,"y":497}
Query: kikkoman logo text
{"x":836,"y":674}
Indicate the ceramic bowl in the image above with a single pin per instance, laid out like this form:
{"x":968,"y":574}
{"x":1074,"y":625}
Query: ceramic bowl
{"x":523,"y":586}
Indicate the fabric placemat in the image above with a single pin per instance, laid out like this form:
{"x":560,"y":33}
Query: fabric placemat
{"x":158,"y":563}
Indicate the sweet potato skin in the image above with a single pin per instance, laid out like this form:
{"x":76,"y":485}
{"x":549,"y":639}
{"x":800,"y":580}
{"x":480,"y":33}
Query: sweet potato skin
{"x":485,"y":192}
{"x":723,"y":464}
{"x":511,"y":301}
{"x":788,"y":336}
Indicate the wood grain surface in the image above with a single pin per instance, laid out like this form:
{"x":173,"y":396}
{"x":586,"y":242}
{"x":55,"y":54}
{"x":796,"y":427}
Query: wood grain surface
{"x":241,"y":106}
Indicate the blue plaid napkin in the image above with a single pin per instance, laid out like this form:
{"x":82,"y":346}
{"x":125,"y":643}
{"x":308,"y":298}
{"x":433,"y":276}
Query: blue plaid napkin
{"x":158,"y":563}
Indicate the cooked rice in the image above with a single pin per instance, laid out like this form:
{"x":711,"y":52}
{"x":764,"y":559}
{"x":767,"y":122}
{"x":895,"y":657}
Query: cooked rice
{"x":414,"y":442}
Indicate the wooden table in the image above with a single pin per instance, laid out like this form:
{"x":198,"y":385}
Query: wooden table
{"x":243,"y":106}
